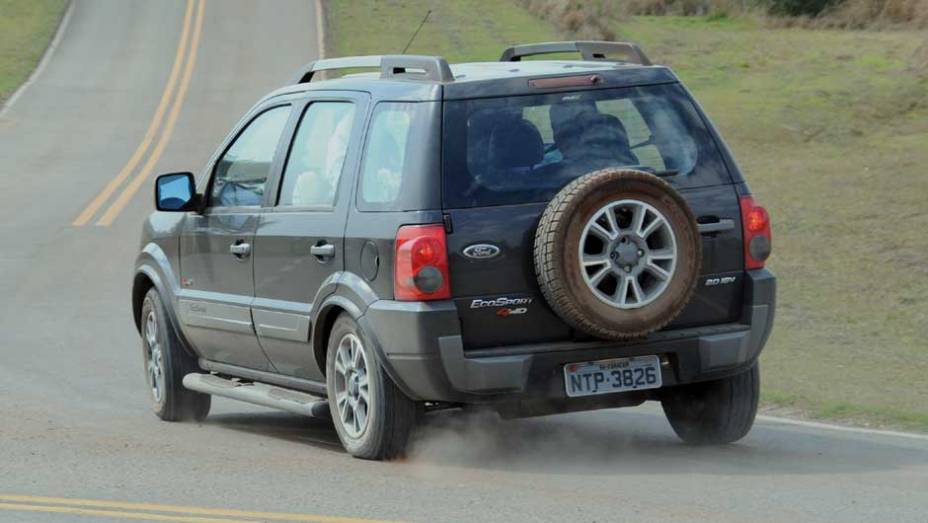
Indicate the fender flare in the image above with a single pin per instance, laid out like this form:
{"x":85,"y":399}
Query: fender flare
{"x":353,"y":295}
{"x":153,"y":264}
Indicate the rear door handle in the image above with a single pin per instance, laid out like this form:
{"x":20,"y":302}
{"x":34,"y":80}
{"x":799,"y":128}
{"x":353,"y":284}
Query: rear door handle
{"x":322,"y":250}
{"x":725,"y":224}
{"x":240,"y":249}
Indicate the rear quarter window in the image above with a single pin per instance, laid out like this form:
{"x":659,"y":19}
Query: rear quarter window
{"x":524,"y":149}
{"x":400,"y":158}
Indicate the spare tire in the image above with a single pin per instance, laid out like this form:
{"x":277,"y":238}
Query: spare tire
{"x":617,"y":253}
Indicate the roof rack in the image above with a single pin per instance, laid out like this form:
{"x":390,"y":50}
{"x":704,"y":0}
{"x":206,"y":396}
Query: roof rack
{"x":416,"y":67}
{"x":589,"y":50}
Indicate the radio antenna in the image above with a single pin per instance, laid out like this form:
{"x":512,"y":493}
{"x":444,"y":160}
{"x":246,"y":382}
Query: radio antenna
{"x":414,"y":35}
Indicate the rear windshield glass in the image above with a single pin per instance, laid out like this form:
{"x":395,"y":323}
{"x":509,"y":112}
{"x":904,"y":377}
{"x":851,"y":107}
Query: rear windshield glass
{"x":524,"y":149}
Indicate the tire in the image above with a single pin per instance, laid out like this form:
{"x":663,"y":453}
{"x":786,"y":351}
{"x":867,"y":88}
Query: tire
{"x":566,"y":232}
{"x":165,"y":356}
{"x":388,"y":415}
{"x":714,"y":412}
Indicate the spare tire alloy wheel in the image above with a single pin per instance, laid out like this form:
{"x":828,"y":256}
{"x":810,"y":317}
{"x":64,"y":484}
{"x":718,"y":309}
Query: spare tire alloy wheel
{"x":628,"y":253}
{"x":617,"y":253}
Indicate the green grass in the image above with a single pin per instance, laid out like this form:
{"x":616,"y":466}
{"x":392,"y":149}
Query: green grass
{"x":26,"y":27}
{"x":831,"y":129}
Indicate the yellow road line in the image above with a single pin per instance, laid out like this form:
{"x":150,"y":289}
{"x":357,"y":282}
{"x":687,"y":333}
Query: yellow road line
{"x":16,"y":507}
{"x":133,"y":186}
{"x":111,"y":187}
{"x":87,"y":504}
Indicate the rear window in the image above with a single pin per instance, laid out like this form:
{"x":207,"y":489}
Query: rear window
{"x":524,"y":149}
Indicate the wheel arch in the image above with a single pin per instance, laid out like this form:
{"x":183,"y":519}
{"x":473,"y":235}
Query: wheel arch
{"x":347,"y":293}
{"x":153,"y":271}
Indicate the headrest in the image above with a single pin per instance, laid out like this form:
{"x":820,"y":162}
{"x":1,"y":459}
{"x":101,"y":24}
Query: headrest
{"x":515,"y":144}
{"x":563,"y":114}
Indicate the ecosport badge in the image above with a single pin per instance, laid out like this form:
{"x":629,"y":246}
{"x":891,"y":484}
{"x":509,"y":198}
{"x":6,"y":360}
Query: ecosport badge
{"x":481,"y":251}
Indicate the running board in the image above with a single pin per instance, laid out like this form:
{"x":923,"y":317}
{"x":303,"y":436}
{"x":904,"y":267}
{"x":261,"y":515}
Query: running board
{"x":259,"y":394}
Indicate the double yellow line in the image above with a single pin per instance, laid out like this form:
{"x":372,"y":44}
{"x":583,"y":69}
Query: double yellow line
{"x":155,"y":512}
{"x":184,"y":60}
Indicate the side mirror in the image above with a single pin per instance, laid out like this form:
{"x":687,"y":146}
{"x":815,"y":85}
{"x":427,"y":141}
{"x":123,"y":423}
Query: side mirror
{"x":176,"y":192}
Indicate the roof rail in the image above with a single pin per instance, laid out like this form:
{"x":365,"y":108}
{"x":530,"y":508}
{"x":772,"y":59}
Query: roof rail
{"x":416,"y":67}
{"x":589,"y":50}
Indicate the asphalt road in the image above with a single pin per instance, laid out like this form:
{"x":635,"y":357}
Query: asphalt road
{"x":77,"y":439}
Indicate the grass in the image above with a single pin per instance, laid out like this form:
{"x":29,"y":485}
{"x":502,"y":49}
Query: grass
{"x":831,"y":129}
{"x":26,"y":27}
{"x":460,"y":30}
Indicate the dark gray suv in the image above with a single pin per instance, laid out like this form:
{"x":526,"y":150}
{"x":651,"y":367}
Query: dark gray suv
{"x":533,"y":237}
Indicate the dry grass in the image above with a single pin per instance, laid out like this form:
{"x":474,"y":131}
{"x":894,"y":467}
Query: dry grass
{"x":862,"y":14}
{"x":580,"y":19}
{"x":841,"y":14}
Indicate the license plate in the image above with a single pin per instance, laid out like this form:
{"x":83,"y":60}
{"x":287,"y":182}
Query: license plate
{"x":616,"y":375}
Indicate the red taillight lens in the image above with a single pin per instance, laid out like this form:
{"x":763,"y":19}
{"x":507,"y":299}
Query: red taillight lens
{"x":755,"y":223}
{"x":420,"y":264}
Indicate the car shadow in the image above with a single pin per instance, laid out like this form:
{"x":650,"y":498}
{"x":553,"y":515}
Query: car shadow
{"x":636,"y":442}
{"x":318,"y":433}
{"x":607,"y":443}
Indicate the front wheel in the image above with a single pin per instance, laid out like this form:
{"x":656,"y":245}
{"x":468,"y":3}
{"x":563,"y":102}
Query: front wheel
{"x":166,"y":364}
{"x":372,"y":416}
{"x":715,"y":412}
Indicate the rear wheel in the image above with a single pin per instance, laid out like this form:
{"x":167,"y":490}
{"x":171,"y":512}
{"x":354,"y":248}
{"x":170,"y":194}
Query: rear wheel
{"x":372,"y":416}
{"x":714,"y":412}
{"x":166,"y":364}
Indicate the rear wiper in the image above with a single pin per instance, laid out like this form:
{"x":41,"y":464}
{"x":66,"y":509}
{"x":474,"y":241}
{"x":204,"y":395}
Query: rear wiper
{"x":666,"y":174}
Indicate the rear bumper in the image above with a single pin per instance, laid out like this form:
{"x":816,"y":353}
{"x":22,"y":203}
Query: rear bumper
{"x":421,"y":348}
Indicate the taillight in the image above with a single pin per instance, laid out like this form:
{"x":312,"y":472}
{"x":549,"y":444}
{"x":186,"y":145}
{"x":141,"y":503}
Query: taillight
{"x":755,"y":223}
{"x":420,"y":265}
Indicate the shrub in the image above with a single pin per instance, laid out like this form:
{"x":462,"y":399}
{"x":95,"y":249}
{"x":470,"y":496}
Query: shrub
{"x":800,"y":7}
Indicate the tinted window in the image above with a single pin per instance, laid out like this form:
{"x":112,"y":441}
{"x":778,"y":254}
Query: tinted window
{"x":241,"y":173}
{"x":524,"y":149}
{"x":317,"y":155}
{"x":385,"y":152}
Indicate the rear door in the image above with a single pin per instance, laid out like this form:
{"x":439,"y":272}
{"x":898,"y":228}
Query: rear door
{"x":300,"y":241}
{"x":216,"y":267}
{"x":505,"y":158}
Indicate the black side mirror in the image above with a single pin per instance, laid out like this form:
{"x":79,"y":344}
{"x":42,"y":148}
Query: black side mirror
{"x":176,"y":192}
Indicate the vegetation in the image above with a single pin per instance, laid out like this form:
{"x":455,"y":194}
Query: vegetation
{"x":26,"y":27}
{"x":831,"y":128}
{"x":591,"y":17}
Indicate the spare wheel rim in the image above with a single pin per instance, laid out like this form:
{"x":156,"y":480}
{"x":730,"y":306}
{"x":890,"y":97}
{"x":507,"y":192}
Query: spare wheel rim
{"x":628,"y":254}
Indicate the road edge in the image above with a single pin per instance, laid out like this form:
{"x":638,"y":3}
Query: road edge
{"x":841,"y":428}
{"x":43,"y":62}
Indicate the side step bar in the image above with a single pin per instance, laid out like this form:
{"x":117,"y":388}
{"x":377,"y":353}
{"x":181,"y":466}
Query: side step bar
{"x":259,"y":394}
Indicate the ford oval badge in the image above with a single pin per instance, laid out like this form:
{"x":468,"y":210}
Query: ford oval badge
{"x":481,"y":251}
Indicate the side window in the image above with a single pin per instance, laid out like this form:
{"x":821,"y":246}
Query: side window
{"x":241,"y":173}
{"x":317,"y":155}
{"x":385,"y":154}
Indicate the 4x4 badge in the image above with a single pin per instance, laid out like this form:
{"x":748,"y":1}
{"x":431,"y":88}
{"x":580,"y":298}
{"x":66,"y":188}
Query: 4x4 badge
{"x":481,"y":251}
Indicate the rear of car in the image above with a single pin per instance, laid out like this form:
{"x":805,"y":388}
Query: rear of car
{"x":505,"y":158}
{"x":508,"y":146}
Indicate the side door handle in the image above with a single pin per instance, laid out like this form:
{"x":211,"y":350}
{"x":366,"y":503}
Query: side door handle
{"x":322,"y":250}
{"x":240,"y":249}
{"x":718,"y":225}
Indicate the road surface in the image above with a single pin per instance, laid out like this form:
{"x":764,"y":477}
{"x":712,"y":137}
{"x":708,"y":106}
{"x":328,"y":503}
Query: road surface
{"x":134,"y":88}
